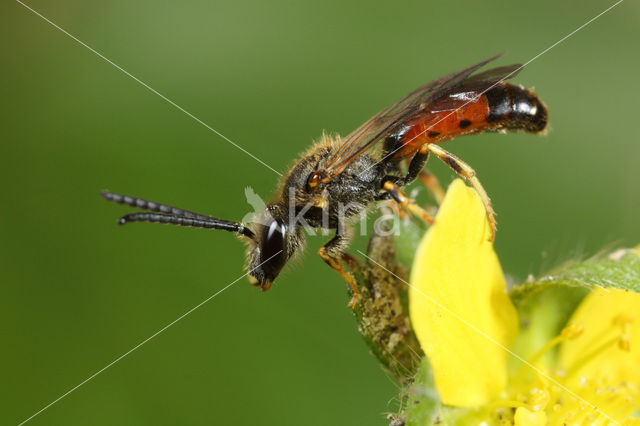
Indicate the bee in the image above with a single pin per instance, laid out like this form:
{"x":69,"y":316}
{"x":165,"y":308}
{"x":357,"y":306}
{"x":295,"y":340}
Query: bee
{"x":338,"y":179}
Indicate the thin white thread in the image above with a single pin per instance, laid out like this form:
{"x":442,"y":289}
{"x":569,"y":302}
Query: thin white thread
{"x":492,"y":340}
{"x":275,"y":171}
{"x":146,"y":86}
{"x":140,"y":344}
{"x":496,"y":83}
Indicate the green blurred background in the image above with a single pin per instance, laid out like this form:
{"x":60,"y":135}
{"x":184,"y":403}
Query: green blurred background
{"x":77,"y":291}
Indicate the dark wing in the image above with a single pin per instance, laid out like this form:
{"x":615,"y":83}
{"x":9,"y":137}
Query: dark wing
{"x":420,"y":100}
{"x":469,"y":90}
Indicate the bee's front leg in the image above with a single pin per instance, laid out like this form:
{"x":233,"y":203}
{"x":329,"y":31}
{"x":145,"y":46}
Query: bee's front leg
{"x":333,"y":252}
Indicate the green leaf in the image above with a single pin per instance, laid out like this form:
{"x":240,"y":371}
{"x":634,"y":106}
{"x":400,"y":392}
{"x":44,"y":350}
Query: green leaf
{"x":620,"y":269}
{"x":546,"y":304}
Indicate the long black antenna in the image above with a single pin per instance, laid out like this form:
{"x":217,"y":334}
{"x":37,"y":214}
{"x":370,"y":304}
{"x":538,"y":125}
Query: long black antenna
{"x":151,"y":206}
{"x":172,"y":215}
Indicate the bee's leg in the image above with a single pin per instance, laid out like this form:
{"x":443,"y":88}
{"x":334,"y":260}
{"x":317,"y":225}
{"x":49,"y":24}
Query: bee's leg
{"x":406,"y":202}
{"x":433,"y":185}
{"x":416,"y":165}
{"x":393,"y":206}
{"x":332,"y":252}
{"x":351,"y":261}
{"x":416,"y":169}
{"x":465,"y":171}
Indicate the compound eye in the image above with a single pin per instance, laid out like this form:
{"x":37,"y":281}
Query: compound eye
{"x":313,"y":180}
{"x":273,"y":254}
{"x":273,"y":243}
{"x":316,"y":178}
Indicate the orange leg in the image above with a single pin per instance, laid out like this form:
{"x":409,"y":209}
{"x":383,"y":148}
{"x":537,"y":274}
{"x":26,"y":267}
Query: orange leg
{"x":333,"y":252}
{"x":433,"y":185}
{"x":391,"y":204}
{"x":335,"y":264}
{"x":351,"y":261}
{"x":406,"y":202}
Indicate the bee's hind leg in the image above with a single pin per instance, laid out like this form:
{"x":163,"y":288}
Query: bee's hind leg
{"x":465,"y":171}
{"x":333,"y":252}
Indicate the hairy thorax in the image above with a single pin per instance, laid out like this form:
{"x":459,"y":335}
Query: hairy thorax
{"x":343,"y":197}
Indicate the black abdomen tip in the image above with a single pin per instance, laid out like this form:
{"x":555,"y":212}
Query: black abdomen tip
{"x":540,"y":119}
{"x":514,"y":107}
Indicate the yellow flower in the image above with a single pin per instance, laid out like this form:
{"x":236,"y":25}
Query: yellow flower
{"x":467,"y":325}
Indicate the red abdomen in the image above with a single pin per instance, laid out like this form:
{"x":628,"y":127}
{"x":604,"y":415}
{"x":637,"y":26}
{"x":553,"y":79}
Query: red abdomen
{"x":504,"y":107}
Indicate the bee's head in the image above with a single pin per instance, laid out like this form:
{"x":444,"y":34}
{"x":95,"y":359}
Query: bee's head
{"x":274,"y":242}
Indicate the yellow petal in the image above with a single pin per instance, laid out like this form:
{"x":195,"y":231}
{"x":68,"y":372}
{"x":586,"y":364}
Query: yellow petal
{"x":459,"y":305}
{"x":525,"y":417}
{"x":609,"y":349}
